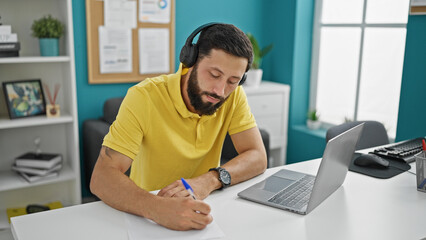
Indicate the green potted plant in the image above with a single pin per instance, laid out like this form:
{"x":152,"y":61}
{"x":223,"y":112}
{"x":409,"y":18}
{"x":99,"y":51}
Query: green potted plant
{"x":254,"y":75}
{"x":48,"y":30}
{"x":313,"y":119}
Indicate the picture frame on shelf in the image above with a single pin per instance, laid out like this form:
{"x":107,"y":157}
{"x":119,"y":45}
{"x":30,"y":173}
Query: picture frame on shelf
{"x":24,"y":98}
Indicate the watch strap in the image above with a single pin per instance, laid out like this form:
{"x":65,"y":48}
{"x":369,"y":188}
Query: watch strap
{"x":219,"y":170}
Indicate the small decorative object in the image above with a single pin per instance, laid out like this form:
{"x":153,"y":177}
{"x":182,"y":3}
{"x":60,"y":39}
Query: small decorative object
{"x":254,"y":75}
{"x":24,"y":98}
{"x":37,"y":143}
{"x":313,"y":119}
{"x":52,"y":109}
{"x":48,"y":30}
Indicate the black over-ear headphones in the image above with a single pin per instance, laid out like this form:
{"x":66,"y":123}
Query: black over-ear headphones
{"x":189,"y":53}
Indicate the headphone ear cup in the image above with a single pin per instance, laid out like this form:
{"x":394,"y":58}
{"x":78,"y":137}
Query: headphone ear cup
{"x":243,"y":79}
{"x":188,"y":55}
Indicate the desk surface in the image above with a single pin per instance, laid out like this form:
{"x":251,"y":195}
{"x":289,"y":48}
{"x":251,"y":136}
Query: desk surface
{"x":363,"y":208}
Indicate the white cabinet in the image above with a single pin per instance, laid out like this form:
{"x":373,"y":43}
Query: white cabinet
{"x":269,"y":104}
{"x":58,"y":135}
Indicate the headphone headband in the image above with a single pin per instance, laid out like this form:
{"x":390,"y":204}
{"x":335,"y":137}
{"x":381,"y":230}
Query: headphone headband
{"x":198,"y":30}
{"x":189,"y":53}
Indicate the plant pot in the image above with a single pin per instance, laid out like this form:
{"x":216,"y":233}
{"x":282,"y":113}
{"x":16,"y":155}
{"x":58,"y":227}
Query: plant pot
{"x":49,"y":46}
{"x":254,"y":77}
{"x":314,"y":125}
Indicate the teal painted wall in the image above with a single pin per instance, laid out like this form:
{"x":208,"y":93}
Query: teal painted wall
{"x":412,"y":114}
{"x":288,"y":25}
{"x":248,"y":15}
{"x":278,"y":29}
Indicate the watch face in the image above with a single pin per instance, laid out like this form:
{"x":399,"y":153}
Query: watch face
{"x":225,"y":177}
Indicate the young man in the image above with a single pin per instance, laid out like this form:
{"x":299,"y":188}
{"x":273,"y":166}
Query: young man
{"x":173,"y":126}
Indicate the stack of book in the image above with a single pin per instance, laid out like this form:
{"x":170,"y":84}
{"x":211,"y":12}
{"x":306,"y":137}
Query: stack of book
{"x":9,"y":45}
{"x":33,"y":167}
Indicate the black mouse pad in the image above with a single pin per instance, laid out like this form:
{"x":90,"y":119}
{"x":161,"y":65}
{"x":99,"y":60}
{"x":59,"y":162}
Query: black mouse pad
{"x":395,"y":167}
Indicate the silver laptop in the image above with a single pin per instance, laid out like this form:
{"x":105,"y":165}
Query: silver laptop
{"x":301,"y":193}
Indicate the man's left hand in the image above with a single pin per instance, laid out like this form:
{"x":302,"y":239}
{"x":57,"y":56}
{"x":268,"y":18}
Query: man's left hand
{"x":202,"y":186}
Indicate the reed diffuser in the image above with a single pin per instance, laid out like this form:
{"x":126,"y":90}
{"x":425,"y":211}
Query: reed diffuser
{"x":52,"y":109}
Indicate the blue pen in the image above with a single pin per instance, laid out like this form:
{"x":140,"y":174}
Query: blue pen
{"x":188,"y":188}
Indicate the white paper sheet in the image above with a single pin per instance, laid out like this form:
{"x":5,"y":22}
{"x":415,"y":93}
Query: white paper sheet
{"x":142,"y":228}
{"x":120,"y":13}
{"x":115,"y":50}
{"x":154,"y":11}
{"x":154,"y":56}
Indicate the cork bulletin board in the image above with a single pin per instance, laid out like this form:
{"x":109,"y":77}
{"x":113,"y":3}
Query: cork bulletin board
{"x":418,"y":7}
{"x":95,"y":18}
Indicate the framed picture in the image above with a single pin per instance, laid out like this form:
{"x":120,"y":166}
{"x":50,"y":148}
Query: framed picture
{"x":24,"y":98}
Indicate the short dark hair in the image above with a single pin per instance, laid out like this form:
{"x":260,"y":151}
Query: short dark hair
{"x":225,"y":37}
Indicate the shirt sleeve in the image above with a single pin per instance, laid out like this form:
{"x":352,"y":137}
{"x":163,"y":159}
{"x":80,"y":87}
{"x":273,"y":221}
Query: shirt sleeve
{"x":242,"y":118}
{"x":126,"y":132}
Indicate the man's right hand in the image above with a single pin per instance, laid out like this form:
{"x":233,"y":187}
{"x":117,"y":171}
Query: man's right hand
{"x":181,"y":213}
{"x":111,"y":185}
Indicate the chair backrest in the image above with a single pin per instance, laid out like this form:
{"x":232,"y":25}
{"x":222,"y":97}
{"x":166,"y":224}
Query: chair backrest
{"x":229,"y":152}
{"x":111,"y":107}
{"x":374,"y":133}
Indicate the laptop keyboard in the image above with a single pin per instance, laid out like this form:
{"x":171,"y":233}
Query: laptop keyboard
{"x":296,"y":195}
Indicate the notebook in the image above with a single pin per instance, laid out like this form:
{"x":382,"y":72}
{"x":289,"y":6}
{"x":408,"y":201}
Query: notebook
{"x":300,"y":192}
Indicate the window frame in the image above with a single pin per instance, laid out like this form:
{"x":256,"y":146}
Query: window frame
{"x":317,"y":26}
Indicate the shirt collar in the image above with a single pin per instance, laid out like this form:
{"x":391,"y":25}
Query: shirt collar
{"x":174,"y":88}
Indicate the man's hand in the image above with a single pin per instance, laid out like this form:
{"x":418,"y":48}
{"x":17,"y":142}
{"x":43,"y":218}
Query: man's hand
{"x":117,"y":190}
{"x":202,"y":186}
{"x":181,"y":213}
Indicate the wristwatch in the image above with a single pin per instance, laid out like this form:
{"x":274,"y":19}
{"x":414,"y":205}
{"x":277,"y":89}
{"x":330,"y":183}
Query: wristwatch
{"x":224,"y":176}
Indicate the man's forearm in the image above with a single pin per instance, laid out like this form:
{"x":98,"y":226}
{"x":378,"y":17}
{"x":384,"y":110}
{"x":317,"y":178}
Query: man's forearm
{"x":119,"y":191}
{"x":241,"y":168}
{"x":111,"y":185}
{"x":246,"y":165}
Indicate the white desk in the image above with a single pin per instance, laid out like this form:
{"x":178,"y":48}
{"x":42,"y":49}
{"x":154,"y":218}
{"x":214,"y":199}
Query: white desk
{"x":364,"y":208}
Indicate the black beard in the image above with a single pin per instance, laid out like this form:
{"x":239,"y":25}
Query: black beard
{"x":195,"y":94}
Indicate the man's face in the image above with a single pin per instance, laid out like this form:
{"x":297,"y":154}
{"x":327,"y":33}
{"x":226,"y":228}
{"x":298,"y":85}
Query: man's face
{"x":213,"y":79}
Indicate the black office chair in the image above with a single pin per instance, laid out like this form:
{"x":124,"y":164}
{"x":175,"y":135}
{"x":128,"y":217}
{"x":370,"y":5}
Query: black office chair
{"x":229,"y":152}
{"x":374,"y":133}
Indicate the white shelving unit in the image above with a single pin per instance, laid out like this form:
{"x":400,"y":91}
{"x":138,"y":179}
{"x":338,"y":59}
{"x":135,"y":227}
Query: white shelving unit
{"x":58,"y":135}
{"x":269,"y":103}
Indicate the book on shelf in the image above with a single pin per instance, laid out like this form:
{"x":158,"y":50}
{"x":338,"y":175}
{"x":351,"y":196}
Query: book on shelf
{"x":37,"y":171}
{"x":5,"y":29}
{"x":7,"y":38}
{"x":9,"y":45}
{"x":42,"y":160}
{"x":9,"y":49}
{"x":33,"y":178}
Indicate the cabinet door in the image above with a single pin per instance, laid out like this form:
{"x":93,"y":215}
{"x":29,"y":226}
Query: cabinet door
{"x":266,"y":105}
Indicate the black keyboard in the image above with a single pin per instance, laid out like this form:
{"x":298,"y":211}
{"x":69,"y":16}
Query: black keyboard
{"x":403,"y":151}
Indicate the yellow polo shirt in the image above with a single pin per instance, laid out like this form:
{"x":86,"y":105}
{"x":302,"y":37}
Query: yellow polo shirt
{"x":165,"y":140}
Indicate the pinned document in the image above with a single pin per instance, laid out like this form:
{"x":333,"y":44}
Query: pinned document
{"x":120,"y":13}
{"x":115,"y":50}
{"x":154,"y":56}
{"x":154,"y":11}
